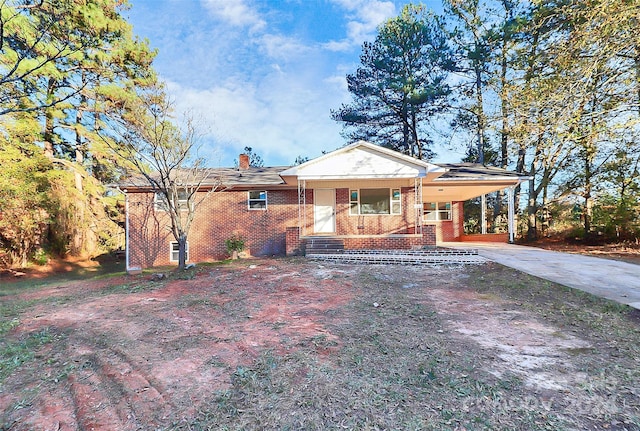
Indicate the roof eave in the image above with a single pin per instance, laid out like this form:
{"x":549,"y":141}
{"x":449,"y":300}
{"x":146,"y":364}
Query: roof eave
{"x":485,"y":178}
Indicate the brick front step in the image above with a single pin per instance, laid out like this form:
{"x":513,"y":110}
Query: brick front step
{"x":402,"y":257}
{"x":324,"y":245}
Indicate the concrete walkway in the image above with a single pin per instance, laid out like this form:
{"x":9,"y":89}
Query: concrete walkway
{"x":611,"y":279}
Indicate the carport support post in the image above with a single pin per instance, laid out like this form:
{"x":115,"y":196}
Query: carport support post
{"x":483,"y":212}
{"x":512,"y":217}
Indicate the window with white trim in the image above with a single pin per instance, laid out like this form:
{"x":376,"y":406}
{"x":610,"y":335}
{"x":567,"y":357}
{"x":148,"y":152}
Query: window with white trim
{"x":160,"y":200}
{"x":437,"y":211}
{"x":375,"y":201}
{"x":257,"y":200}
{"x":175,"y":252}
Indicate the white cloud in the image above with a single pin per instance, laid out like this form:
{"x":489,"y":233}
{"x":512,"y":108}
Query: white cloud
{"x":236,"y":13}
{"x":280,"y":117}
{"x":338,"y":46}
{"x":271,"y":89}
{"x":282,"y":47}
{"x":364,"y":18}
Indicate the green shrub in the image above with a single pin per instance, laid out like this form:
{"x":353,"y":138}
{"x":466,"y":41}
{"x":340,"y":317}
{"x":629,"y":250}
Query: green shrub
{"x":234,"y":243}
{"x":40,"y":257}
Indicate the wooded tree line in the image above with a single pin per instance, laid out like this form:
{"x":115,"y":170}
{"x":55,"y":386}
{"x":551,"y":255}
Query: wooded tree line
{"x":550,"y":88}
{"x":71,"y":75}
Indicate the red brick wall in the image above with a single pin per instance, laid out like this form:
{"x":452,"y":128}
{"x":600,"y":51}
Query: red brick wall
{"x":294,"y":245}
{"x":222,"y":214}
{"x":428,"y":238}
{"x":450,"y":230}
{"x":347,"y":224}
{"x":149,"y":235}
{"x":489,"y":237}
{"x":429,"y":235}
{"x":219,"y":216}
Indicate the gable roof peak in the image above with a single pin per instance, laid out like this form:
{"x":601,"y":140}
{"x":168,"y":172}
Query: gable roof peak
{"x":363,"y":160}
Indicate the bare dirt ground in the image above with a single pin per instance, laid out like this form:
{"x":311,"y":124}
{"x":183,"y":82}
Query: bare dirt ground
{"x":294,"y":344}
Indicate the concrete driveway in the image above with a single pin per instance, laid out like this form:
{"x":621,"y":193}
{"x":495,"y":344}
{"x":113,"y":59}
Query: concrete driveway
{"x":615,"y":280}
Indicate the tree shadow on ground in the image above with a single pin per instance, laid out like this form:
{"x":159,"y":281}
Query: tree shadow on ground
{"x":60,"y":270}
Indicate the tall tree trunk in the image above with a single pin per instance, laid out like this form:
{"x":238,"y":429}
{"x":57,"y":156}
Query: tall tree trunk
{"x":504,"y":113}
{"x":80,"y":204}
{"x":480,"y":112}
{"x":532,"y":207}
{"x":416,"y":138}
{"x":588,"y":186}
{"x":182,"y":252}
{"x":408,"y":148}
{"x":520,"y":163}
{"x":532,"y":229}
{"x":48,"y":122}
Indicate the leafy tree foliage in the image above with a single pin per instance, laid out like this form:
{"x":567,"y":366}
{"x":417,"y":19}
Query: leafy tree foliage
{"x":400,"y":84}
{"x":70,"y":70}
{"x":473,"y":56}
{"x":577,"y":96}
{"x":24,"y":192}
{"x":300,"y":160}
{"x":35,"y":47}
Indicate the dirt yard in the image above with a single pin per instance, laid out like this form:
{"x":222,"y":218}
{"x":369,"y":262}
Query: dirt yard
{"x":300,"y":345}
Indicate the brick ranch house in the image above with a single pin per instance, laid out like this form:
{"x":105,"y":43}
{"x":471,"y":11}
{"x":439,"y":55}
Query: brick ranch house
{"x":364,"y":195}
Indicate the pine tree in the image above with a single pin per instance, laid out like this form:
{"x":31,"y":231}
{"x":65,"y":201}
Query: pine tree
{"x":400,"y":85}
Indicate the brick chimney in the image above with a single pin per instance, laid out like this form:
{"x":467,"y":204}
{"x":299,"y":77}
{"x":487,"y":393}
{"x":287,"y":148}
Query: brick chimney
{"x":244,"y":162}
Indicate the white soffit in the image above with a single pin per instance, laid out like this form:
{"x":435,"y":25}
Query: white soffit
{"x":452,"y":193}
{"x":363,"y":160}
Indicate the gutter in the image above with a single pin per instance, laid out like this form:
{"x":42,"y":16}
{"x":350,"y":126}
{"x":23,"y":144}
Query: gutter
{"x":520,"y":179}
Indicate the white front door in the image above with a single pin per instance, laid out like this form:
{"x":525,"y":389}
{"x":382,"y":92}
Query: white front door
{"x":324,"y":210}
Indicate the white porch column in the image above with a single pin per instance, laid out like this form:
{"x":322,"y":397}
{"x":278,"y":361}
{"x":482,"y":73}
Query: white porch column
{"x":483,"y":212}
{"x":302,"y":206}
{"x":418,"y":204}
{"x":512,"y":217}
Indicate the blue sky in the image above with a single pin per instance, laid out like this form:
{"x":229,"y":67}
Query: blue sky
{"x":262,"y":73}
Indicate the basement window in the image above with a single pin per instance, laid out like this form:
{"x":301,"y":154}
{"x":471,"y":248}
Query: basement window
{"x":375,"y":201}
{"x":175,"y":252}
{"x":257,"y":200}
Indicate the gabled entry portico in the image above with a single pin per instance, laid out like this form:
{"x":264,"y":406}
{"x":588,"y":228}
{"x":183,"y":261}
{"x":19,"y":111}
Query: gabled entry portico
{"x":374,"y":195}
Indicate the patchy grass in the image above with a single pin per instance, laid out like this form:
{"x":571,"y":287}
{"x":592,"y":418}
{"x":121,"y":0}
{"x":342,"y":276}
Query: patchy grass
{"x":394,"y":367}
{"x":291,"y":345}
{"x":15,"y":353}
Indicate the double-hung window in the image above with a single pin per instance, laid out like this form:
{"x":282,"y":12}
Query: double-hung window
{"x":175,"y":252}
{"x":437,"y":211}
{"x":160,"y":201}
{"x":375,"y":201}
{"x":257,"y":200}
